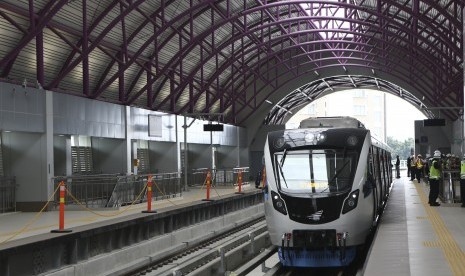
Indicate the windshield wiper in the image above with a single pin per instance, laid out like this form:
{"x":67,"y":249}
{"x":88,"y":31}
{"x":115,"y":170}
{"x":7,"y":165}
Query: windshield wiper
{"x":280,"y":165}
{"x":335,"y":175}
{"x":283,"y":158}
{"x":282,"y":173}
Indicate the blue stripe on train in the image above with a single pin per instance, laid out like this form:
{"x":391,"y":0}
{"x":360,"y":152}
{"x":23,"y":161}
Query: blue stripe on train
{"x":316,"y":258}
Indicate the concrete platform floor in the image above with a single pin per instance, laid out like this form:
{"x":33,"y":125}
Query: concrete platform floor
{"x":18,"y":225}
{"x":415,"y":238}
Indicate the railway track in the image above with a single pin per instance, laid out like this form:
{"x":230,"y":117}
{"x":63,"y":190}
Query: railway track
{"x":216,"y":256}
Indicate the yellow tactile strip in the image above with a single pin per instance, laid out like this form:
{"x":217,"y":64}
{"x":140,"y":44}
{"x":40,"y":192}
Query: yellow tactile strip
{"x":431,"y":244}
{"x":454,"y":255}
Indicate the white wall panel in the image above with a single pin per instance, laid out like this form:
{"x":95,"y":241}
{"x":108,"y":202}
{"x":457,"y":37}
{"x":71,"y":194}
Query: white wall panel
{"x":24,"y":157}
{"x":21,"y":109}
{"x":81,"y":116}
{"x":108,"y":155}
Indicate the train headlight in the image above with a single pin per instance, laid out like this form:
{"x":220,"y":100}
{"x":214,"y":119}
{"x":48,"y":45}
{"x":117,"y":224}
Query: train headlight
{"x":352,"y":140}
{"x":351,"y":202}
{"x":279,"y":143}
{"x":309,"y":138}
{"x":278,"y":203}
{"x":321,"y":137}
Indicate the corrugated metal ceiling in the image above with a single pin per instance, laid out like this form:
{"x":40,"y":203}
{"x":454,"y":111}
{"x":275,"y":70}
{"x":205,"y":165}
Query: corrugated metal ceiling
{"x":228,"y":56}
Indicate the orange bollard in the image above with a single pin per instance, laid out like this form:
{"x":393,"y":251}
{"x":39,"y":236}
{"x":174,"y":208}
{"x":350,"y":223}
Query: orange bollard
{"x":61,"y":226}
{"x":149,"y":196}
{"x":239,"y":182}
{"x":208,"y":183}
{"x":264,"y":177}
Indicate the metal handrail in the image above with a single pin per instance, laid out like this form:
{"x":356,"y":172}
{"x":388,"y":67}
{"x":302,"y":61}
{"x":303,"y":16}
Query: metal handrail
{"x":7,"y":194}
{"x":220,"y":177}
{"x":112,"y":191}
{"x":447,"y":186}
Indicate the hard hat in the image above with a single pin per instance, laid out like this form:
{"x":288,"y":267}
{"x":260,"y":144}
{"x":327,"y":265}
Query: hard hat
{"x":419,"y":155}
{"x":453,"y":155}
{"x":464,"y":156}
{"x":437,"y":154}
{"x":448,"y":155}
{"x":428,"y":155}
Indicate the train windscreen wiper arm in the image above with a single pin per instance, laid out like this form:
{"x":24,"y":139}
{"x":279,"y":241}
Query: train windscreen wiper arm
{"x":336,"y":175}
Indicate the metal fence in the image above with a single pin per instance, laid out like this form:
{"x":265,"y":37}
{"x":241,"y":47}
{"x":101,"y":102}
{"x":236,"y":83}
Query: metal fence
{"x":111,"y":191}
{"x":7,"y":194}
{"x":220,"y":177}
{"x":449,"y":185}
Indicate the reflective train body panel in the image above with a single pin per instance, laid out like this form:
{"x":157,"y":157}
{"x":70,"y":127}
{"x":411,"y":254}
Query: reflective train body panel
{"x":325,"y":187}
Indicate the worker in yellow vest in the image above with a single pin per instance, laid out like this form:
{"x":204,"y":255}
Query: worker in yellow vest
{"x":412,"y":167}
{"x":419,"y":167}
{"x":434,"y":177}
{"x":462,"y":181}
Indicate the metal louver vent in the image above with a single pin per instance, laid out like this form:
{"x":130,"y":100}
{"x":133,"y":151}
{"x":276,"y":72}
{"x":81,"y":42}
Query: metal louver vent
{"x":144,"y":164}
{"x":82,"y":159}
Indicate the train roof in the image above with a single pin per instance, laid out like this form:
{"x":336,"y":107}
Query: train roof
{"x":331,"y":122}
{"x":341,"y":122}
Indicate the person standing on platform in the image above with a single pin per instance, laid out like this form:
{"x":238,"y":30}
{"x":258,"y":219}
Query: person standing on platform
{"x":408,"y":166}
{"x":413,"y":168}
{"x":434,"y":177}
{"x":397,"y":167}
{"x":419,"y":167}
{"x":426,"y":167}
{"x":462,"y":181}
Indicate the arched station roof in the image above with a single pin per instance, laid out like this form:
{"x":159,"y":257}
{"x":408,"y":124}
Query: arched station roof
{"x":232,"y":56}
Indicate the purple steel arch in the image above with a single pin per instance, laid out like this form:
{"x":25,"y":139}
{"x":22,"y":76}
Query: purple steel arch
{"x":35,"y":30}
{"x":219,"y":50}
{"x":355,"y":7}
{"x":280,"y":22}
{"x":95,"y":43}
{"x":416,"y":36}
{"x":264,"y":87}
{"x":220,"y":70}
{"x":139,"y":52}
{"x":295,"y":98}
{"x":231,"y":120}
{"x":380,"y":69}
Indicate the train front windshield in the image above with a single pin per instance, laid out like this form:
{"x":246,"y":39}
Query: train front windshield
{"x":316,"y":171}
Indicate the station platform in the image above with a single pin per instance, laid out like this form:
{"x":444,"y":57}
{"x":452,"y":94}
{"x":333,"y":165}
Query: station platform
{"x":103,"y":241}
{"x":414,"y":238}
{"x":20,"y":225}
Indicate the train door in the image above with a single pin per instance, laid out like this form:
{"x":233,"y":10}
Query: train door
{"x":390,"y":174}
{"x":386,"y":167}
{"x":371,"y":178}
{"x":377,"y":176}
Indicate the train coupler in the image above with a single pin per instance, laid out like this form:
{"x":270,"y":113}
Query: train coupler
{"x":286,"y":237}
{"x":341,"y":243}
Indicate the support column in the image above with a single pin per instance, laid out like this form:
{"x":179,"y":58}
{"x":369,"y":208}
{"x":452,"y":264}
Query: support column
{"x":135,"y":159}
{"x":49,"y":143}
{"x":238,"y":163}
{"x":178,"y":145}
{"x":129,"y":134}
{"x":185,"y":153}
{"x":69,"y":164}
{"x":462,"y":146}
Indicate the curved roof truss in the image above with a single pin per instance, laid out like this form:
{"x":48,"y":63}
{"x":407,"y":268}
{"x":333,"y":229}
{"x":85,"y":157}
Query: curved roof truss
{"x":302,"y":96}
{"x":229,"y":56}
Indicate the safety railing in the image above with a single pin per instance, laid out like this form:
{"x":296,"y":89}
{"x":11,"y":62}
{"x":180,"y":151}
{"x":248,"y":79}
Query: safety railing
{"x":112,"y":191}
{"x":7,"y":194}
{"x":448,"y":185}
{"x":220,"y":177}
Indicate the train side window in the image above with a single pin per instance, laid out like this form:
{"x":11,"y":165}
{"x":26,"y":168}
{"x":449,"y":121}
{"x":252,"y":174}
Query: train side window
{"x":370,"y":182}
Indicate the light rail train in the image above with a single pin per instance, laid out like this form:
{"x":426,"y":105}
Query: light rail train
{"x":326,"y":184}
